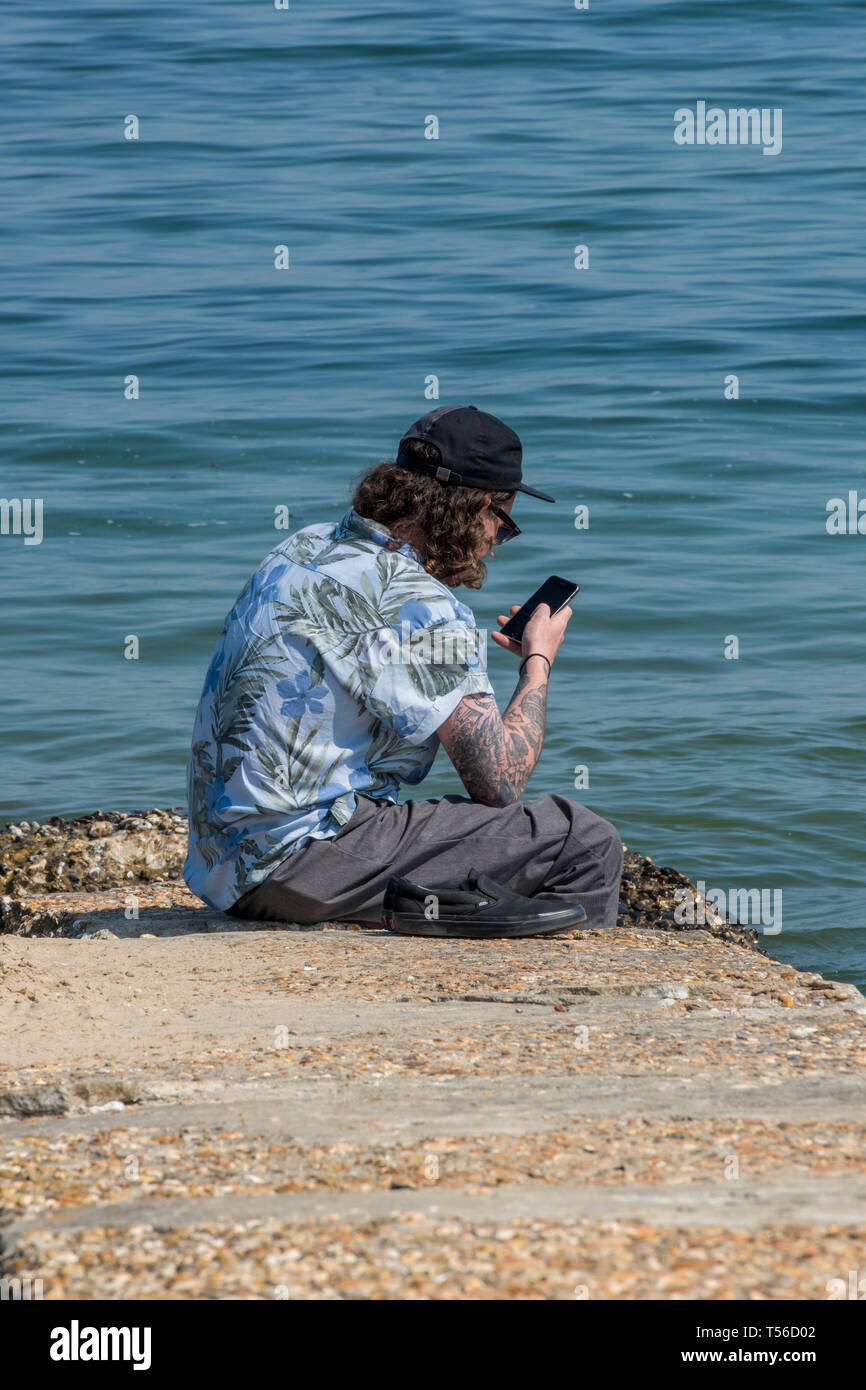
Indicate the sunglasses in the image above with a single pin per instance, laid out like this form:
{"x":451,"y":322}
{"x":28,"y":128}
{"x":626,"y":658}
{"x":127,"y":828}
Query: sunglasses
{"x":507,"y":529}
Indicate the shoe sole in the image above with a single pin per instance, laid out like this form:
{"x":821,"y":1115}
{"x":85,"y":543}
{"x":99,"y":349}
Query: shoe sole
{"x":423,"y":927}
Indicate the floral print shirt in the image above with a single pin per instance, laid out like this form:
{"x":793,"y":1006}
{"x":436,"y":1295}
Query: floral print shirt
{"x":334,"y":670}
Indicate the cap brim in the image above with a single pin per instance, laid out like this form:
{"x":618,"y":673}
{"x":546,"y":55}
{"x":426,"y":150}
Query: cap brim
{"x":533,"y":491}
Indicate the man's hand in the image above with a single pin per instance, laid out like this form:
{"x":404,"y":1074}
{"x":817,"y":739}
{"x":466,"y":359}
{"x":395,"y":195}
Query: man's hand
{"x":543,"y":633}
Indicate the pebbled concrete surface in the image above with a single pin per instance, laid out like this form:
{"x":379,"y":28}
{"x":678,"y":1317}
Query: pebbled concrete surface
{"x":234,"y":1114}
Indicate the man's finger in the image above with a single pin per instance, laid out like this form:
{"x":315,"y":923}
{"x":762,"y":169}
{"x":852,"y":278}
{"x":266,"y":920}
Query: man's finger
{"x":542,"y":612}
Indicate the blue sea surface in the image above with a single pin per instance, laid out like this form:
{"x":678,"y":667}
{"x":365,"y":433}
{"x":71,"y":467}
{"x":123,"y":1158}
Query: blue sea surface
{"x":453,"y":258}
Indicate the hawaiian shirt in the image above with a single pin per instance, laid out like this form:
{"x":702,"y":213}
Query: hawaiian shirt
{"x":335,"y":668}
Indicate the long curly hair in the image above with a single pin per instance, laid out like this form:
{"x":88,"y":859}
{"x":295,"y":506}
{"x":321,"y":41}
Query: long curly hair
{"x":448,"y":516}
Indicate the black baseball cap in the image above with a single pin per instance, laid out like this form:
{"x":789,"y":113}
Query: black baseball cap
{"x":477,"y":450}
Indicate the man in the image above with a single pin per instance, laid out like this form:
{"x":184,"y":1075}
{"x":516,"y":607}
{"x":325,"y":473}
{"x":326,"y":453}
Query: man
{"x":342,"y":667}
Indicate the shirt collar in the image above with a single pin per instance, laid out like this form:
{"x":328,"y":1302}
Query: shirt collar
{"x":380,"y":533}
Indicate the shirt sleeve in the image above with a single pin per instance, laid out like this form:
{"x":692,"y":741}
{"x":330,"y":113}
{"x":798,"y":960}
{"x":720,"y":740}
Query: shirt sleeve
{"x":422,"y":675}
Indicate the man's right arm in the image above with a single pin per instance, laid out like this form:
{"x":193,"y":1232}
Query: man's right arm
{"x":495,"y":754}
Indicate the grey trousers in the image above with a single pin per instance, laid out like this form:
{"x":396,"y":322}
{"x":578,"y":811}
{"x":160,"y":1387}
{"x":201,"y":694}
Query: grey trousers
{"x":551,"y":845}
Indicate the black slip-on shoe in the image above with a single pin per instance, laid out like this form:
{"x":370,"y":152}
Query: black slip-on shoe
{"x":480,"y":907}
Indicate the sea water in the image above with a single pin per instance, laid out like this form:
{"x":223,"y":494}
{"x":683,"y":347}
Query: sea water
{"x":478,"y":203}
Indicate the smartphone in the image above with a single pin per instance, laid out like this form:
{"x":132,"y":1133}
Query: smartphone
{"x":555,"y":592}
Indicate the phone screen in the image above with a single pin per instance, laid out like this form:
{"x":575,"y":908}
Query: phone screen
{"x":555,"y":592}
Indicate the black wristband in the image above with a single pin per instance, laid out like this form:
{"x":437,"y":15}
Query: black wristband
{"x":529,"y":658}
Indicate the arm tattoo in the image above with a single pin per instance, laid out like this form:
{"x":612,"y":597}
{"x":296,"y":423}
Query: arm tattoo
{"x":496,"y":754}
